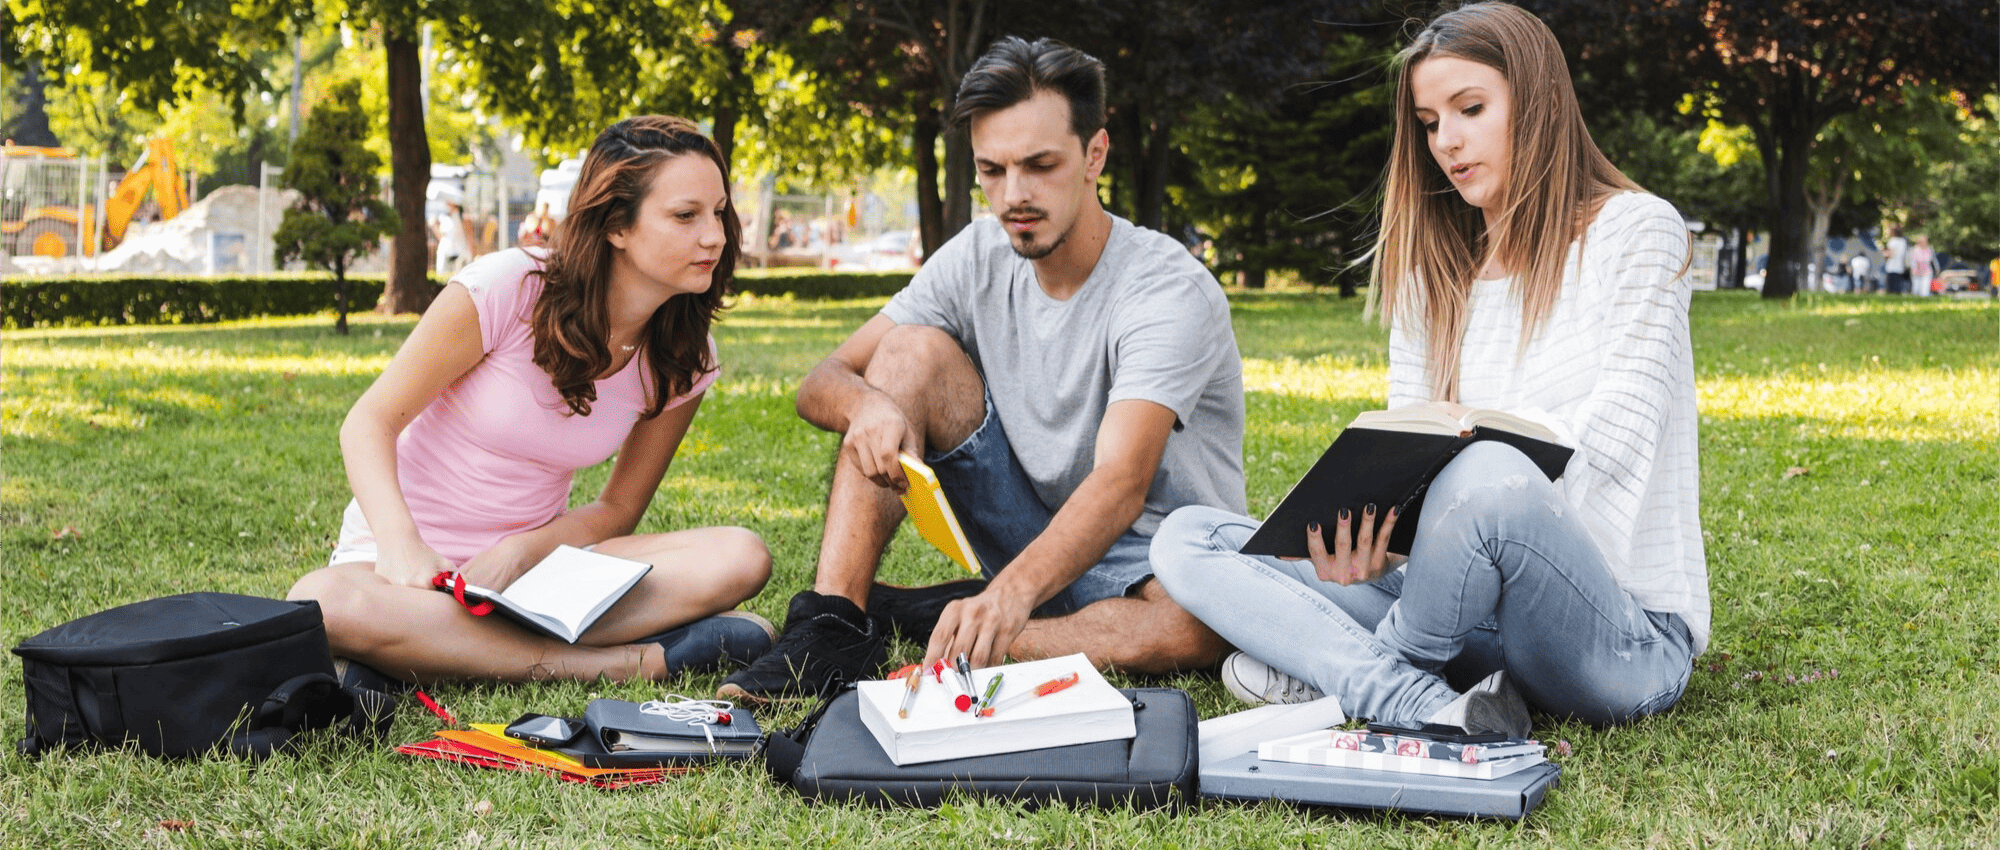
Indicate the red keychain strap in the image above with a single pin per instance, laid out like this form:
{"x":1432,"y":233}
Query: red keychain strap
{"x":455,"y":582}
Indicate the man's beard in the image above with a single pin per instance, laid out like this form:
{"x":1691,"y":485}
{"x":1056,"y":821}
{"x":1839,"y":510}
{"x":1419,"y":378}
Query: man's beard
{"x":1032,"y":250}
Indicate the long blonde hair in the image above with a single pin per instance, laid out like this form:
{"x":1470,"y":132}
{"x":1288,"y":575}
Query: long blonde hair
{"x":1432,"y":242}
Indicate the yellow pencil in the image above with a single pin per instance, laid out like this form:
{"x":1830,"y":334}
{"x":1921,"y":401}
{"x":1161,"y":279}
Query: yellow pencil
{"x":910,"y":696}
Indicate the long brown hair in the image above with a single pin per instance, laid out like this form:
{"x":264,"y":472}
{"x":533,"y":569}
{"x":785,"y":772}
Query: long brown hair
{"x":1432,"y":242}
{"x":571,"y":320}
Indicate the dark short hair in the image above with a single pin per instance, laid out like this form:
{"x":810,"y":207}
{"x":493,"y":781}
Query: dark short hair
{"x":1013,"y":69}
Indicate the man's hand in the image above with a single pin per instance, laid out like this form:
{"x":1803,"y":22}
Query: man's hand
{"x":876,"y":431}
{"x":1358,"y":555}
{"x":982,"y":627}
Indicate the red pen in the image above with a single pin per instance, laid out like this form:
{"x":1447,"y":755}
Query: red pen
{"x":1041,"y":690}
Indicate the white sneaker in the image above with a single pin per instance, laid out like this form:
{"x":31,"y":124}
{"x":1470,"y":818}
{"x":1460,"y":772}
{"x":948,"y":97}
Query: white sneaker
{"x":1257,"y":683}
{"x":1493,"y":705}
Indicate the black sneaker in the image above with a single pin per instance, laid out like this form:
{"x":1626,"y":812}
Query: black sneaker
{"x":826,"y":638}
{"x":354,"y":674}
{"x":728,"y":639}
{"x":911,"y":613}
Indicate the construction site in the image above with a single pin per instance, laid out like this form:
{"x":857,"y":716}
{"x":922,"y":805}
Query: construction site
{"x":63,"y":214}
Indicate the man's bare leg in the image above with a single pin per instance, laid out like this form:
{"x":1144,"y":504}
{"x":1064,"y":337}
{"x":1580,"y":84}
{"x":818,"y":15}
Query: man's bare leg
{"x":1144,"y":633}
{"x":928,"y":375}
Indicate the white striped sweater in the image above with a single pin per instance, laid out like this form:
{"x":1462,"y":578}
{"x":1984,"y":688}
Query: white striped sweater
{"x":1612,"y":370}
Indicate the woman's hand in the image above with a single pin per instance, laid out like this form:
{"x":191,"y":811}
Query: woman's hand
{"x":1358,"y":554}
{"x":410,"y":563}
{"x":499,"y":566}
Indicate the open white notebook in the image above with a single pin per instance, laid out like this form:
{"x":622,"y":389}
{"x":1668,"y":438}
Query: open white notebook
{"x":565,"y":593}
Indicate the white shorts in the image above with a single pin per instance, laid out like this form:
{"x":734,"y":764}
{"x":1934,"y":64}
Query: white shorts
{"x":357,"y":541}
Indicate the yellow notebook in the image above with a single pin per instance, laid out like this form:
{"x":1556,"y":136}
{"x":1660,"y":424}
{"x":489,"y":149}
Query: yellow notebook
{"x":932,"y":514}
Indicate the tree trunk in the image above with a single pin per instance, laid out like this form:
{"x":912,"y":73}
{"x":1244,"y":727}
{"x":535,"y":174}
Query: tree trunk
{"x":1788,"y":143}
{"x":736,"y":84}
{"x":964,"y":40}
{"x":1254,"y":273}
{"x":957,"y":181}
{"x":1150,"y":196}
{"x":409,"y":288}
{"x":930,"y":210}
{"x":30,"y":126}
{"x":342,"y":290}
{"x":1820,"y":204}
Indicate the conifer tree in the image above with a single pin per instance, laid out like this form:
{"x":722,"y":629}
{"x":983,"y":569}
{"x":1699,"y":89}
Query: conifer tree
{"x":339,"y":215}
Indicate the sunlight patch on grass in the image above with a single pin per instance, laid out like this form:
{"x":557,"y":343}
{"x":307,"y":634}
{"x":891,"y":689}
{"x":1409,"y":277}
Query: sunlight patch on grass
{"x":42,"y":415}
{"x":1322,"y":378}
{"x":156,"y":359}
{"x":752,"y":386}
{"x":1902,"y":405}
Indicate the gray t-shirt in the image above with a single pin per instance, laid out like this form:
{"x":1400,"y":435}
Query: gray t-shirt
{"x":1150,"y":323}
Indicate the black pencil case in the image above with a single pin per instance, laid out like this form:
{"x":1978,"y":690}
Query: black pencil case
{"x":831,"y":756}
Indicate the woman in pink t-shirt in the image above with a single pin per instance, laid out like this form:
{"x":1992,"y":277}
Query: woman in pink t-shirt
{"x":529,"y":366}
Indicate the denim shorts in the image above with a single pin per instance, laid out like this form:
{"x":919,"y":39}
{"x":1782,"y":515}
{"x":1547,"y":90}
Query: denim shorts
{"x":1001,"y":514}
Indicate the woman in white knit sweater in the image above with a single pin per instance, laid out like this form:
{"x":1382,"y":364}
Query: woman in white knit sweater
{"x":1518,"y":270}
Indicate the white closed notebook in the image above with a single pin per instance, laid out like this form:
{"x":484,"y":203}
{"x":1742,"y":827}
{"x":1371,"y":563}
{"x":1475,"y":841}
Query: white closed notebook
{"x":564,"y":594}
{"x":1087,"y":712}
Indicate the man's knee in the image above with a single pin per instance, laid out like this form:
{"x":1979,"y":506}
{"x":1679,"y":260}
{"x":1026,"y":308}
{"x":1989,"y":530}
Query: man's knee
{"x":915,"y":355}
{"x":932,"y":379}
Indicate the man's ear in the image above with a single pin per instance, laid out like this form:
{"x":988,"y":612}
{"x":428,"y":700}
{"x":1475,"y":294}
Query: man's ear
{"x":1096,"y":151}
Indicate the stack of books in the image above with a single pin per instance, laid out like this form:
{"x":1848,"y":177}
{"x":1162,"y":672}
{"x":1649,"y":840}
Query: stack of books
{"x":1031,"y":711}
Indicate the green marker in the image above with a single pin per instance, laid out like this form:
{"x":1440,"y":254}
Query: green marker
{"x":992,"y":689}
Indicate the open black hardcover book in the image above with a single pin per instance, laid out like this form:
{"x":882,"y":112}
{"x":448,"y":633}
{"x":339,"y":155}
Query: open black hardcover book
{"x":1387,"y":459}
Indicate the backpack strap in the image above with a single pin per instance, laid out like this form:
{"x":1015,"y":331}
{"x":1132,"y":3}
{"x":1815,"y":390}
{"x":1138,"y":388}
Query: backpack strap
{"x":312,"y":701}
{"x":785,"y":751}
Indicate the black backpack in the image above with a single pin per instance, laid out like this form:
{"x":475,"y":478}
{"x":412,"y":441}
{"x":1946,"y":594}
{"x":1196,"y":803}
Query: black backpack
{"x":182,"y":675}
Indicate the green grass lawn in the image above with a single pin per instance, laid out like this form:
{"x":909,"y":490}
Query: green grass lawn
{"x":1849,"y":698}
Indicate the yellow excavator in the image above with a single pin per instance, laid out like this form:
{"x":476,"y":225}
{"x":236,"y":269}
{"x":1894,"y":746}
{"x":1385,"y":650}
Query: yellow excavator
{"x":40,"y":212}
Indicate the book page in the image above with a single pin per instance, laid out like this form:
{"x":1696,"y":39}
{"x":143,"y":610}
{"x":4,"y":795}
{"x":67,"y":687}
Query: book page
{"x":1411,"y":418}
{"x":1432,"y":419}
{"x":1509,"y":422}
{"x":573,"y":586}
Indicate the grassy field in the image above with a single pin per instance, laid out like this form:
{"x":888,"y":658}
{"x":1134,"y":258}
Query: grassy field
{"x":1850,"y":696}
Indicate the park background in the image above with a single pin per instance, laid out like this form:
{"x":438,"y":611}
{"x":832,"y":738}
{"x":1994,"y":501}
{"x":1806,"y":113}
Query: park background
{"x":1849,"y":498}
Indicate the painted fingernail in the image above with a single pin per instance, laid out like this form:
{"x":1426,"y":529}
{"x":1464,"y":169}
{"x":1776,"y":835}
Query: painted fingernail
{"x":1370,"y":510}
{"x":1344,"y":514}
{"x":1314,"y":528}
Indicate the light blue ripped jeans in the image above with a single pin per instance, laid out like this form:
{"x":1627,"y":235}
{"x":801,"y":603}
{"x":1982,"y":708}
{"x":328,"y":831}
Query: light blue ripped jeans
{"x":1500,"y":575}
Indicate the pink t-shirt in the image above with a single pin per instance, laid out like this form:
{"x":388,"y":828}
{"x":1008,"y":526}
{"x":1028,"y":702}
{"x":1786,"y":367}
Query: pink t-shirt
{"x":496,"y":453}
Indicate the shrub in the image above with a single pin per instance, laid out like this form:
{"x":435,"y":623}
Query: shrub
{"x":157,"y":299}
{"x":168,"y":300}
{"x":816,"y":284}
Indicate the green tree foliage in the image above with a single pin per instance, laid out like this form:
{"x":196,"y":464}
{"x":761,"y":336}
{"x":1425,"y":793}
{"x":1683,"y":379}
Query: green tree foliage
{"x":1293,"y":187}
{"x":903,"y":59}
{"x":338,"y":216}
{"x":1783,"y":68}
{"x":1965,"y":220}
{"x":1166,"y":58}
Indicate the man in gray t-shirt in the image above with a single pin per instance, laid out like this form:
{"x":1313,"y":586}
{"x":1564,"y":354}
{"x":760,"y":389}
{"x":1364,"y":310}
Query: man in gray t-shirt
{"x":1071,"y":379}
